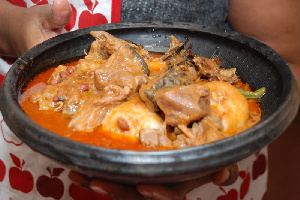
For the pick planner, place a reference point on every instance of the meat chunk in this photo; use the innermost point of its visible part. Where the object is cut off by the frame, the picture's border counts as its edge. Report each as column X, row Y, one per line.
column 88, row 64
column 172, row 78
column 106, row 44
column 106, row 76
column 154, row 138
column 73, row 97
column 183, row 104
column 206, row 130
column 88, row 116
column 124, row 59
column 175, row 47
column 211, row 69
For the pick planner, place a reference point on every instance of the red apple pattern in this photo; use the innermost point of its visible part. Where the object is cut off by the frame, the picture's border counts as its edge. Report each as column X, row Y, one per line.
column 230, row 195
column 245, row 175
column 2, row 170
column 72, row 21
column 21, row 3
column 51, row 186
column 40, row 2
column 5, row 135
column 19, row 179
column 259, row 165
column 89, row 17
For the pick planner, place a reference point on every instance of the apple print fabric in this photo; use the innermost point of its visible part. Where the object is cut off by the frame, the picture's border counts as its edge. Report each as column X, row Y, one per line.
column 250, row 185
column 27, row 175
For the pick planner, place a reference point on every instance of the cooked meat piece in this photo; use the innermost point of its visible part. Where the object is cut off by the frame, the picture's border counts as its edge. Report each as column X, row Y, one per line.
column 175, row 48
column 147, row 93
column 211, row 68
column 99, row 48
column 90, row 113
column 228, row 75
column 189, row 69
column 184, row 61
column 154, row 138
column 72, row 96
column 120, row 71
column 106, row 76
column 88, row 116
column 117, row 85
column 181, row 56
column 138, row 57
column 149, row 137
column 183, row 104
column 172, row 78
column 88, row 64
column 113, row 93
column 209, row 129
column 206, row 130
column 182, row 142
column 106, row 43
column 124, row 59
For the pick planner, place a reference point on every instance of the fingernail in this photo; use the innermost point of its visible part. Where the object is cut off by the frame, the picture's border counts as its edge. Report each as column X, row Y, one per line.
column 221, row 177
column 226, row 177
column 94, row 185
column 146, row 194
column 160, row 196
column 79, row 179
column 154, row 195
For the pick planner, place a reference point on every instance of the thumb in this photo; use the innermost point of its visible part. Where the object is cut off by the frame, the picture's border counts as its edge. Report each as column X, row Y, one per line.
column 60, row 15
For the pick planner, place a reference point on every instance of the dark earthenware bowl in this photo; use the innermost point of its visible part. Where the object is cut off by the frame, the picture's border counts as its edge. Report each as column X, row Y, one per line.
column 256, row 63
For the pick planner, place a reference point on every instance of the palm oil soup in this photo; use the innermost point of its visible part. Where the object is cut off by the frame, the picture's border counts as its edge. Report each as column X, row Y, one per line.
column 121, row 96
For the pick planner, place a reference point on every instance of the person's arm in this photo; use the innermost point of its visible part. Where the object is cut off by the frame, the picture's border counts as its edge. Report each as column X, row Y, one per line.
column 273, row 22
column 23, row 28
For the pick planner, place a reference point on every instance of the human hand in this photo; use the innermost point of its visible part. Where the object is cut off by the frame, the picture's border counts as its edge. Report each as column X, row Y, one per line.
column 177, row 191
column 28, row 27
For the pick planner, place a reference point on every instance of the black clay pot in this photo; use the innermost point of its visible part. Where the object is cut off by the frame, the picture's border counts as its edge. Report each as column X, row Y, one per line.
column 256, row 63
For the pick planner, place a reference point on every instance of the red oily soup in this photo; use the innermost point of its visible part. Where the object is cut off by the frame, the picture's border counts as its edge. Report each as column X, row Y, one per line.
column 121, row 96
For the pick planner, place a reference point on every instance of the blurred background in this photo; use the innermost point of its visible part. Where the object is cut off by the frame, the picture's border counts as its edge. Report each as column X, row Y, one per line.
column 284, row 164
